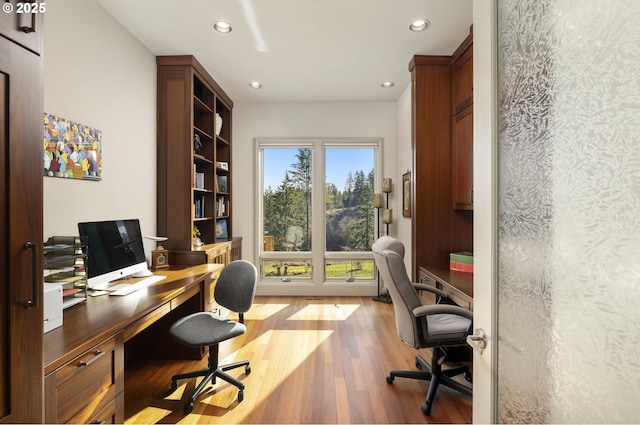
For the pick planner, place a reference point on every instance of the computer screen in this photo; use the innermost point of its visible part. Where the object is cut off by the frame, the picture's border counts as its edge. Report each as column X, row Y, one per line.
column 114, row 250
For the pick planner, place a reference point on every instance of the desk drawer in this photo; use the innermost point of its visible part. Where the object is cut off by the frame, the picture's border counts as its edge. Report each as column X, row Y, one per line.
column 84, row 386
column 105, row 416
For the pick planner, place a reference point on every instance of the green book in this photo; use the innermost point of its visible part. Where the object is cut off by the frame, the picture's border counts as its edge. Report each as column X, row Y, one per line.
column 465, row 257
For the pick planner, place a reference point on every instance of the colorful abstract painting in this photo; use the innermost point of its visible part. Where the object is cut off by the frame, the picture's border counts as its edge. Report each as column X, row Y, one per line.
column 71, row 150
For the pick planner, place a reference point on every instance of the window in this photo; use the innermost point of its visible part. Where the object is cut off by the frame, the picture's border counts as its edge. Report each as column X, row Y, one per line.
column 317, row 237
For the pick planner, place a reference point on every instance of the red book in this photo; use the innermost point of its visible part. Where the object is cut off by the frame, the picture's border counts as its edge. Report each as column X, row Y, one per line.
column 463, row 267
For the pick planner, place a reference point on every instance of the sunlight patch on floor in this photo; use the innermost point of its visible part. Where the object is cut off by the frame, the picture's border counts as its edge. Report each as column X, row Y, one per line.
column 152, row 415
column 219, row 402
column 300, row 345
column 325, row 312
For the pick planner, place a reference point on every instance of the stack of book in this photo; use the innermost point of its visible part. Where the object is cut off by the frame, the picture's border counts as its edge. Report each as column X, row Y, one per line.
column 461, row 261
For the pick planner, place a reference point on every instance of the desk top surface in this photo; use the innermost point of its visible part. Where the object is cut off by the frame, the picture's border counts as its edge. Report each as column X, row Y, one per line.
column 461, row 281
column 99, row 318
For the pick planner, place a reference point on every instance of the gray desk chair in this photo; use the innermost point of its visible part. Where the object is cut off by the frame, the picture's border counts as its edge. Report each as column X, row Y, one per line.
column 235, row 290
column 438, row 326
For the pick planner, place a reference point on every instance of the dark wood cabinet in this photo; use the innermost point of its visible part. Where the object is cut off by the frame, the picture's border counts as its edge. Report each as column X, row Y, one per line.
column 431, row 99
column 442, row 144
column 462, row 137
column 194, row 159
column 21, row 26
column 21, row 321
column 88, row 388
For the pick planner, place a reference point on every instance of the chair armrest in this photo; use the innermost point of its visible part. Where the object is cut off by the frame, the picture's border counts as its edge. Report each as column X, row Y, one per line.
column 429, row 288
column 426, row 310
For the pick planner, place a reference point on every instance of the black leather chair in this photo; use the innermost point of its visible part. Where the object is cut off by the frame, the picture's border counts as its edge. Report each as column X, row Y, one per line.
column 438, row 326
column 235, row 290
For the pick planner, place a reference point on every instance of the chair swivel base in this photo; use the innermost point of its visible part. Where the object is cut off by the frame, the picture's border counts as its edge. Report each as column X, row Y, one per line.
column 436, row 375
column 211, row 375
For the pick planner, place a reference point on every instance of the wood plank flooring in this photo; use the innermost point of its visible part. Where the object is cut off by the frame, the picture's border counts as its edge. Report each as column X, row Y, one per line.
column 313, row 360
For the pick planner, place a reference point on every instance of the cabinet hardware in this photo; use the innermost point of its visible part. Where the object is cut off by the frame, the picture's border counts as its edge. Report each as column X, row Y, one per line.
column 34, row 275
column 97, row 354
column 25, row 29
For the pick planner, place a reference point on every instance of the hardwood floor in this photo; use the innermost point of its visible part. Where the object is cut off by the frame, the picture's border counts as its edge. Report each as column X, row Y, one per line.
column 313, row 360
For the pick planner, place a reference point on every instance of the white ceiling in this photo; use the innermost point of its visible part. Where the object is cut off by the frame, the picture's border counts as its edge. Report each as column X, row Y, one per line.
column 300, row 50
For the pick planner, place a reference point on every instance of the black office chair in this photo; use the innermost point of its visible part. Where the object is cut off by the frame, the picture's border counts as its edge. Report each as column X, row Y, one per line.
column 439, row 326
column 235, row 290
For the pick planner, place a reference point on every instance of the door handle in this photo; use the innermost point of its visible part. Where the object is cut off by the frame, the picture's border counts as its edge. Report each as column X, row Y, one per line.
column 34, row 274
column 478, row 341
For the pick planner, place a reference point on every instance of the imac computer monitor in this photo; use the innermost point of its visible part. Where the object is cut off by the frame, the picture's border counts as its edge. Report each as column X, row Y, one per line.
column 114, row 250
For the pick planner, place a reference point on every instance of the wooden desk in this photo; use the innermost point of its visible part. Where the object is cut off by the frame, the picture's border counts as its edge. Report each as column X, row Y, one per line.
column 84, row 359
column 457, row 285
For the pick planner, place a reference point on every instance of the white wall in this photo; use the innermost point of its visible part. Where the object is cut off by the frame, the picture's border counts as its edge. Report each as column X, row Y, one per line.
column 96, row 73
column 404, row 163
column 254, row 120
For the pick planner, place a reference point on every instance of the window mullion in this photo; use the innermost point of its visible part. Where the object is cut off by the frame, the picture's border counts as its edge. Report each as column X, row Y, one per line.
column 318, row 242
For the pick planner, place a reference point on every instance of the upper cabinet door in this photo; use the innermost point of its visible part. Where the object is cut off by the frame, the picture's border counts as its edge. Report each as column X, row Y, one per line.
column 21, row 21
column 462, row 132
column 462, row 160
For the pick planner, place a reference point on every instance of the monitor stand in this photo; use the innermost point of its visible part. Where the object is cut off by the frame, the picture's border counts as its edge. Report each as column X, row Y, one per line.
column 143, row 273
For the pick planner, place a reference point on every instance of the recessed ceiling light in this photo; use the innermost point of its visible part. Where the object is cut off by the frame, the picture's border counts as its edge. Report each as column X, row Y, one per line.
column 222, row 26
column 419, row 25
column 255, row 85
column 388, row 84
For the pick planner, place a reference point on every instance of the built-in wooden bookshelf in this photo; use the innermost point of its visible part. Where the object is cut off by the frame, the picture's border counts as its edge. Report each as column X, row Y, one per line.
column 194, row 157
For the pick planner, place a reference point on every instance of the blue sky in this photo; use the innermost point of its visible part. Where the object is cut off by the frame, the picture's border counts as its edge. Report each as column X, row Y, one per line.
column 340, row 161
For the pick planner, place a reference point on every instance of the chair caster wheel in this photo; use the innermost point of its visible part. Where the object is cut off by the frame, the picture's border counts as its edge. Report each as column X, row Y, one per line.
column 389, row 379
column 467, row 375
column 247, row 370
column 418, row 365
column 240, row 396
column 188, row 408
column 426, row 409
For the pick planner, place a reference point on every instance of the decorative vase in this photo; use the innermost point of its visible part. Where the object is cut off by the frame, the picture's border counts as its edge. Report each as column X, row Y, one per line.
column 197, row 144
column 218, row 124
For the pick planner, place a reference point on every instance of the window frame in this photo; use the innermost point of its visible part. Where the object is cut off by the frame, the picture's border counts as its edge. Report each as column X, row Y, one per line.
column 318, row 253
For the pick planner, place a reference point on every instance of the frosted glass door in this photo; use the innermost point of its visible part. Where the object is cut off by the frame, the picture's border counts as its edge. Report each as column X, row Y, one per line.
column 568, row 211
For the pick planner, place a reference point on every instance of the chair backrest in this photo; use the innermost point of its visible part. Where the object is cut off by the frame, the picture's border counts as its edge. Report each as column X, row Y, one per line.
column 388, row 254
column 236, row 286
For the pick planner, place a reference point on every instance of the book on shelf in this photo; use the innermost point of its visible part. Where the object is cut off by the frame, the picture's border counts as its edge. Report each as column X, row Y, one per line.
column 198, row 207
column 222, row 184
column 199, row 179
column 222, row 206
column 221, row 229
column 223, row 165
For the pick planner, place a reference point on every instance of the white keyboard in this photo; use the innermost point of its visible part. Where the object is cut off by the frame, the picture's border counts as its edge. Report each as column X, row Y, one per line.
column 147, row 281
